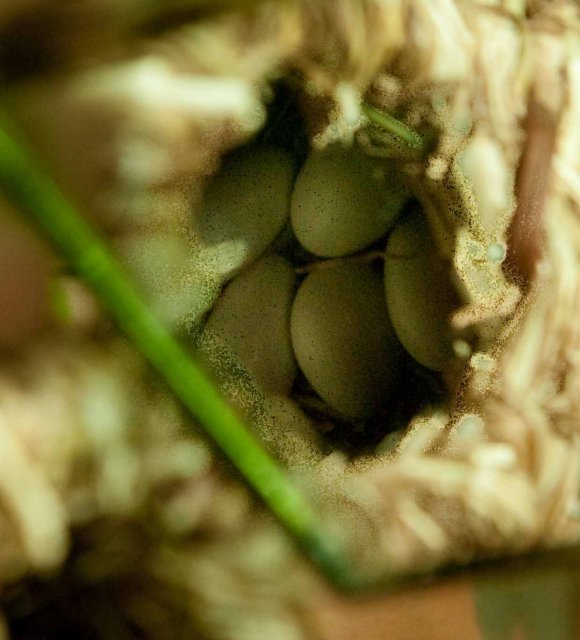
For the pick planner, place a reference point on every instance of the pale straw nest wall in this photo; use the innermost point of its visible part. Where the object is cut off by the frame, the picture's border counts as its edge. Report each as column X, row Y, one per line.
column 500, row 83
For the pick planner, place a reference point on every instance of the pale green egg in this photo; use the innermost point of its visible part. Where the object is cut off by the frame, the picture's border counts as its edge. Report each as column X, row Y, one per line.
column 419, row 293
column 252, row 319
column 244, row 207
column 342, row 202
column 343, row 340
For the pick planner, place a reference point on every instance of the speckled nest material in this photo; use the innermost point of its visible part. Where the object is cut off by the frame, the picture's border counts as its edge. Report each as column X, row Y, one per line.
column 139, row 517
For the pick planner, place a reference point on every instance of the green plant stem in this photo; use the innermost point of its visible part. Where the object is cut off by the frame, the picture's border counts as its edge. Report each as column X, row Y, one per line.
column 394, row 126
column 23, row 181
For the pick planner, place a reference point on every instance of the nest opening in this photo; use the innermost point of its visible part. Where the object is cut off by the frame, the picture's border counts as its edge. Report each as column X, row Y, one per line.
column 417, row 390
column 478, row 460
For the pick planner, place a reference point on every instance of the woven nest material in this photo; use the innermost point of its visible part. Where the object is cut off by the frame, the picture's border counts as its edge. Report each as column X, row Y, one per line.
column 139, row 517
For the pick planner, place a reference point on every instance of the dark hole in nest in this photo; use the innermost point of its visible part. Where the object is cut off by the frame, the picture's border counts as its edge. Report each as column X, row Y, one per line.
column 418, row 387
column 285, row 126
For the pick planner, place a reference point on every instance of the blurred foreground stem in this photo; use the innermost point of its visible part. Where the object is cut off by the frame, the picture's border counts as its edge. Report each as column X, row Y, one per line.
column 29, row 187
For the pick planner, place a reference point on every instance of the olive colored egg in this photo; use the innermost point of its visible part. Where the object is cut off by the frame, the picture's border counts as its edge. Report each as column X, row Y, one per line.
column 343, row 339
column 419, row 293
column 252, row 319
column 342, row 202
column 244, row 207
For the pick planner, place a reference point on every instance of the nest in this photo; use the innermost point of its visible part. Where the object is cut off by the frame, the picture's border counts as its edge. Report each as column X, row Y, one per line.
column 138, row 518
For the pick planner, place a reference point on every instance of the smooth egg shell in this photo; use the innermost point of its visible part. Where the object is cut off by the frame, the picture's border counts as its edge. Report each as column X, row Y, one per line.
column 419, row 293
column 252, row 319
column 343, row 339
column 340, row 204
column 244, row 207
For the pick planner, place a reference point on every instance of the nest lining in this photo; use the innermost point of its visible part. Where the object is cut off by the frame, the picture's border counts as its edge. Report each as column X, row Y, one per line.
column 499, row 472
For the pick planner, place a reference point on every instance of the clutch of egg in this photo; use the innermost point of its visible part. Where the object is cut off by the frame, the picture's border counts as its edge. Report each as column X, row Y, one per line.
column 336, row 314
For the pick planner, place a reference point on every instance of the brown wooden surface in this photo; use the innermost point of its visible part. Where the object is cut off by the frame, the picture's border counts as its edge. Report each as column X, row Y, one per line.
column 523, row 605
column 441, row 612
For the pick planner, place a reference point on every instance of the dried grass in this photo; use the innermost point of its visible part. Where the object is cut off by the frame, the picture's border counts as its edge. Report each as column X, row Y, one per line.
column 496, row 81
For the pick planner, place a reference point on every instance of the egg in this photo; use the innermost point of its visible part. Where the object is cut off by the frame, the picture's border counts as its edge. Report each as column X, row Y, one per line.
column 419, row 293
column 252, row 319
column 343, row 340
column 342, row 202
column 244, row 207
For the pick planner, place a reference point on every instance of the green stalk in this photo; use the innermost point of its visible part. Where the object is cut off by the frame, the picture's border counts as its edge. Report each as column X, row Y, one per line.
column 394, row 126
column 23, row 181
